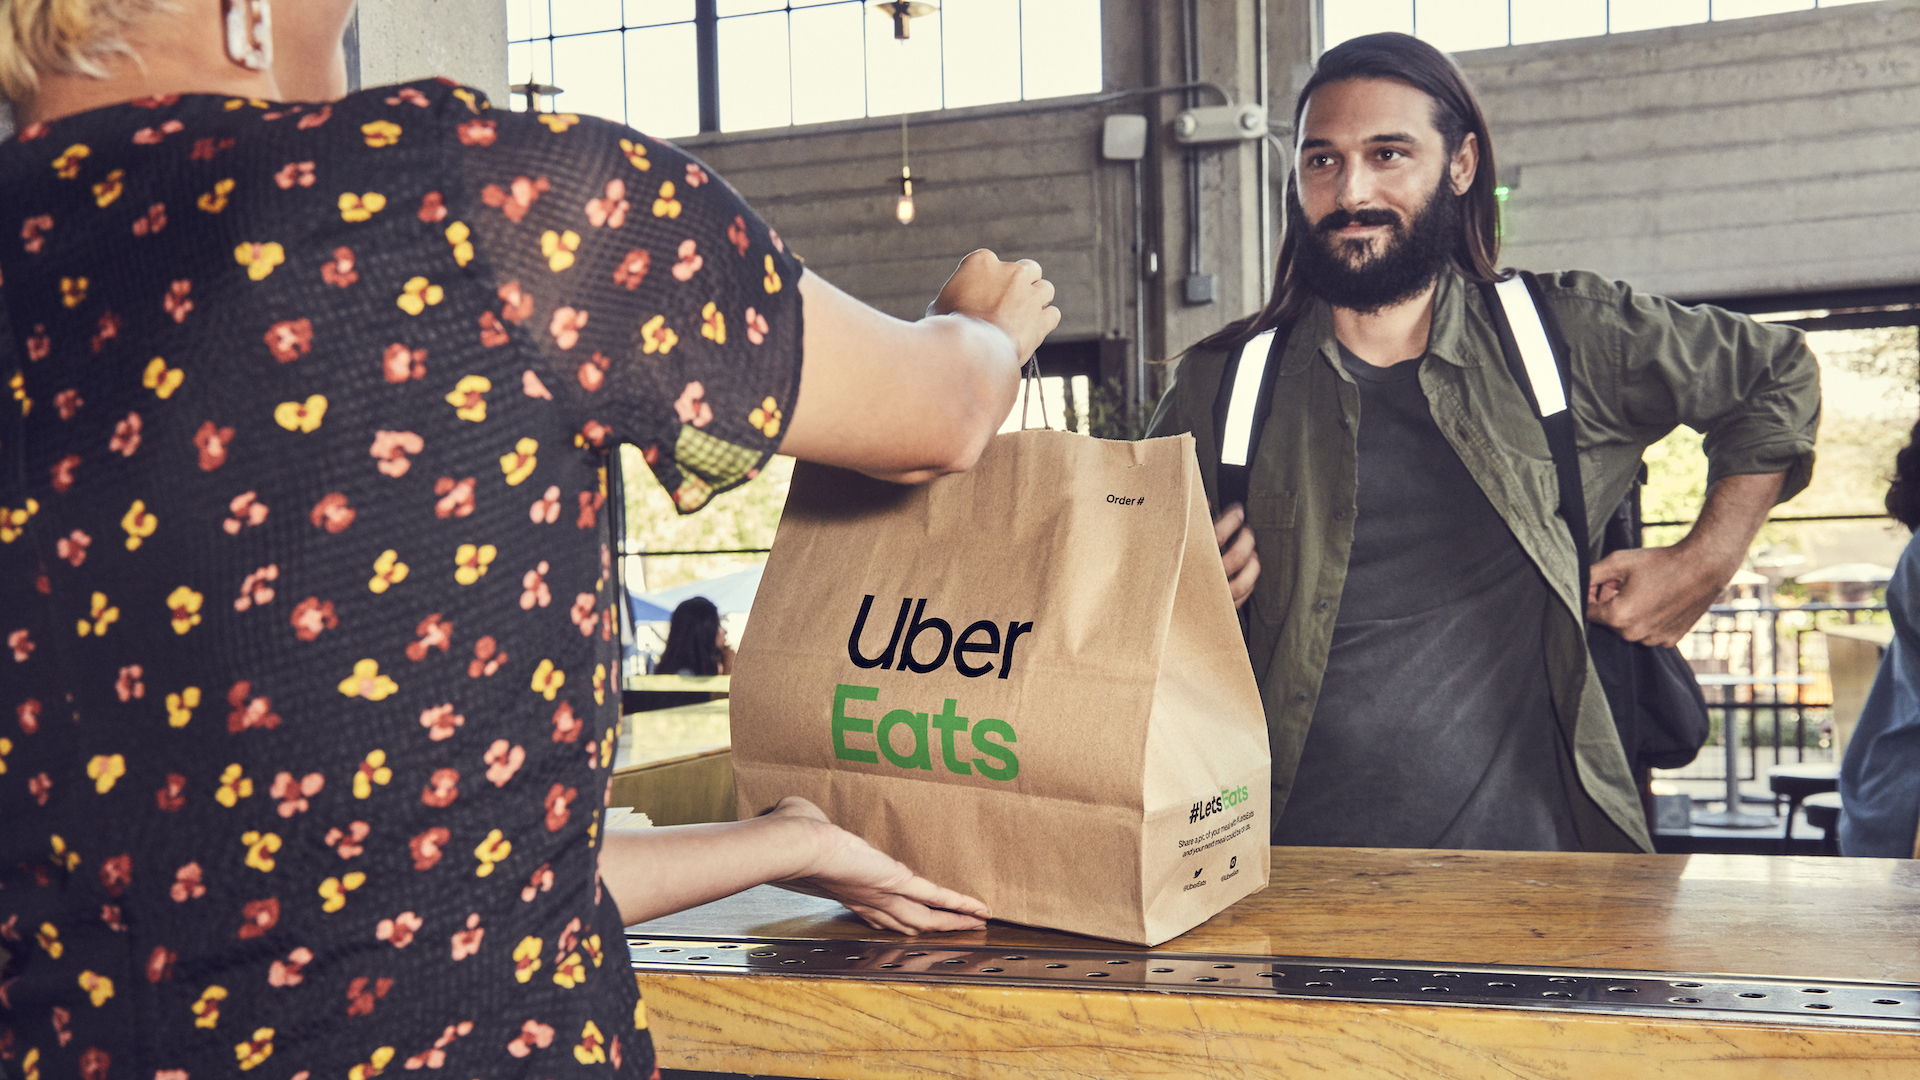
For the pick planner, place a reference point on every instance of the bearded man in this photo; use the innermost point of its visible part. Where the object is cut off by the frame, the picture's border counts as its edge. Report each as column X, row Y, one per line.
column 1409, row 594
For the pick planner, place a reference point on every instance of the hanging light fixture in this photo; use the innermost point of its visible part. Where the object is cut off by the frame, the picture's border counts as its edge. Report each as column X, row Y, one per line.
column 533, row 88
column 534, row 91
column 902, row 10
column 903, row 211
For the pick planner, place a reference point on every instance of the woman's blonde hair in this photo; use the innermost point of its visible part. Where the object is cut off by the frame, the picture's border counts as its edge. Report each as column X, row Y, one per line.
column 74, row 36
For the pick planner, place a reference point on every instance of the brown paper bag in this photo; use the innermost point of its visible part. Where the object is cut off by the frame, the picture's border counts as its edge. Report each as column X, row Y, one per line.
column 1025, row 681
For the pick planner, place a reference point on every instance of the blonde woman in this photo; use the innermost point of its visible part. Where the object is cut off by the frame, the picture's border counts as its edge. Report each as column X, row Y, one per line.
column 303, row 552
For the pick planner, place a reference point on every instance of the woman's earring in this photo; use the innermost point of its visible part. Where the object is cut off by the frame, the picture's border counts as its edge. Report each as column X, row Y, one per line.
column 249, row 33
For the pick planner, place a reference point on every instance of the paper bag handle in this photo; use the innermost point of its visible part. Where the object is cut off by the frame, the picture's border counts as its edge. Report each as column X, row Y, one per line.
column 1030, row 377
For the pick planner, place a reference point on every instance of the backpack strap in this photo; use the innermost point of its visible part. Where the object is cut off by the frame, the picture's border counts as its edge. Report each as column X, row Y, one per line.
column 1240, row 411
column 1536, row 354
column 1545, row 370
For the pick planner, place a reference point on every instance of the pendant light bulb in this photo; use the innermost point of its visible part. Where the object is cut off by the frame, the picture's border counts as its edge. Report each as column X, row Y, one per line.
column 904, row 210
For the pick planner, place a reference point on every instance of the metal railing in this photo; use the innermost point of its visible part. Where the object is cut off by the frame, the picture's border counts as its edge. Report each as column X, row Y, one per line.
column 1764, row 649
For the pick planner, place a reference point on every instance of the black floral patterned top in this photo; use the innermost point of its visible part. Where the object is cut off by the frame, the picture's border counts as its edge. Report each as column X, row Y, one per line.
column 308, row 699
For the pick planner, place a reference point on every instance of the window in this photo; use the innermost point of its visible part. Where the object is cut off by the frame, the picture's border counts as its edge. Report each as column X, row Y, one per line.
column 633, row 62
column 780, row 62
column 1459, row 25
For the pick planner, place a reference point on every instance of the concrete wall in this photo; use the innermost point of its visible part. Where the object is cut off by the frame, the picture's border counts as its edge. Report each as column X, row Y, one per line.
column 1027, row 180
column 1766, row 155
column 1027, row 183
column 403, row 40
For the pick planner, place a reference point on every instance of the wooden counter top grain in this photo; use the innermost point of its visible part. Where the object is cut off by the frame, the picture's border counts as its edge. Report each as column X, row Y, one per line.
column 1782, row 916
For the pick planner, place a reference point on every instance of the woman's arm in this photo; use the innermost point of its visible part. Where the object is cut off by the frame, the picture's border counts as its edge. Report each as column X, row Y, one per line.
column 909, row 401
column 658, row 871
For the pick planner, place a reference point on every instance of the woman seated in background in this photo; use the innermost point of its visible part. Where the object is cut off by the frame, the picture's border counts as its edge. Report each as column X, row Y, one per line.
column 303, row 570
column 696, row 644
column 1880, row 777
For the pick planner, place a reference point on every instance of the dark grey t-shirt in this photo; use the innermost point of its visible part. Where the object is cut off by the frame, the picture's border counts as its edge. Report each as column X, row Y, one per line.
column 1435, row 727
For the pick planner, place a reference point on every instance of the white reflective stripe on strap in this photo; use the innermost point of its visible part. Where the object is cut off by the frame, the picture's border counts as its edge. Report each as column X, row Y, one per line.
column 1236, row 442
column 1535, row 354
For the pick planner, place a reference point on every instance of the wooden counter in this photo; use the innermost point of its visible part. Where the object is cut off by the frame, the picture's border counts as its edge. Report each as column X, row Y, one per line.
column 1790, row 917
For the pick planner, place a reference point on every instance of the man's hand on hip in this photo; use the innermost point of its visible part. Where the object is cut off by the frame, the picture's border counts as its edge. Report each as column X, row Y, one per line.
column 1653, row 595
column 1237, row 556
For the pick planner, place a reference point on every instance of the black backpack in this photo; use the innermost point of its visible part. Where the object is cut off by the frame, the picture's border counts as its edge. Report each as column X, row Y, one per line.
column 1656, row 701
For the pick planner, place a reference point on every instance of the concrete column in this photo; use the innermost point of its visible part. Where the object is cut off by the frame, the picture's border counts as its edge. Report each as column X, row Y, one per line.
column 466, row 40
column 1230, row 196
column 1293, row 43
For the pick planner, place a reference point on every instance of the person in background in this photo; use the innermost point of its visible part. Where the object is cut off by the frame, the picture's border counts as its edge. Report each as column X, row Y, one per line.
column 696, row 643
column 1880, row 776
column 303, row 566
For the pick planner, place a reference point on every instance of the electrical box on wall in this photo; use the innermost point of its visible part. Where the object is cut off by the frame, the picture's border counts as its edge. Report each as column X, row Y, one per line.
column 1124, row 138
column 1200, row 289
column 1221, row 123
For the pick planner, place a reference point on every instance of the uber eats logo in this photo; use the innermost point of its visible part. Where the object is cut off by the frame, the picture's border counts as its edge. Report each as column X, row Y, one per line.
column 989, row 737
column 978, row 638
column 988, row 740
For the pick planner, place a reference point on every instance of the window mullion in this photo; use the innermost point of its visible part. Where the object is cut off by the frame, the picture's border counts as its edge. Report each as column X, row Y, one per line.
column 706, row 35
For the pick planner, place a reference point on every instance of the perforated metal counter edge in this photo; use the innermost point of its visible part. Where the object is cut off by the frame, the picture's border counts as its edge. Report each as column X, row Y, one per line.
column 1803, row 1002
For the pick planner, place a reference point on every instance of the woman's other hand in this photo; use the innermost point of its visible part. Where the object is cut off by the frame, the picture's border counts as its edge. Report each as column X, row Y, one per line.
column 654, row 872
column 873, row 884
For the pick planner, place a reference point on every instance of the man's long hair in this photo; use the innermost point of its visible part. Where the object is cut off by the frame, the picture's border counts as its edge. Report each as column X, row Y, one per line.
column 1456, row 113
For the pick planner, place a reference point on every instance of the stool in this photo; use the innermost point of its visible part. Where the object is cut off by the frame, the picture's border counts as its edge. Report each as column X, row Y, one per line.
column 1823, row 812
column 1795, row 783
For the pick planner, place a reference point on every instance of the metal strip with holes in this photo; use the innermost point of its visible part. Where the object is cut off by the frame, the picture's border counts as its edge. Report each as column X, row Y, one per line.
column 1890, row 1006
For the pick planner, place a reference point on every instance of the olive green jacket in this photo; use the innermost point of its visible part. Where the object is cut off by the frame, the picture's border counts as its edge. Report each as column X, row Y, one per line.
column 1641, row 365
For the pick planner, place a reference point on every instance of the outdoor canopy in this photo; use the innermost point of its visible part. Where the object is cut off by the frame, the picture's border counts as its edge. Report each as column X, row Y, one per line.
column 729, row 592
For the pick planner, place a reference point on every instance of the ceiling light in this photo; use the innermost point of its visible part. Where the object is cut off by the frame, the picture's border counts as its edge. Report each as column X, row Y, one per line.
column 902, row 10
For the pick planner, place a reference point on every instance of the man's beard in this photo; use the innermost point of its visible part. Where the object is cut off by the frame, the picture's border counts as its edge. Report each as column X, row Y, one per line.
column 1413, row 256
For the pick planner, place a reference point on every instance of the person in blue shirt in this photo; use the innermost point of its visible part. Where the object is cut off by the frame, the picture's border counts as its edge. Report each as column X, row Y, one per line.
column 1880, row 777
